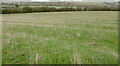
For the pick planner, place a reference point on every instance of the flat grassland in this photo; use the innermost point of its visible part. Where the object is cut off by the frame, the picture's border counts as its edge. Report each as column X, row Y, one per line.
column 84, row 37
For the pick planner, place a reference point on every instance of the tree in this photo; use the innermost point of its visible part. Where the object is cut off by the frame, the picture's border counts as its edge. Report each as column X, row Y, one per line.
column 16, row 5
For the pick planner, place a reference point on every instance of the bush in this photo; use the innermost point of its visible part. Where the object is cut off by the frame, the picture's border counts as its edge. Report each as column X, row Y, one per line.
column 45, row 9
column 16, row 5
column 79, row 9
column 12, row 10
column 36, row 9
column 53, row 9
column 85, row 9
column 42, row 9
column 99, row 9
column 67, row 9
column 115, row 9
column 27, row 10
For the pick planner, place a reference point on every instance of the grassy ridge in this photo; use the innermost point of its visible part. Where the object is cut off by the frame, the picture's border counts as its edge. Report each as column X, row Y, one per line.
column 60, row 38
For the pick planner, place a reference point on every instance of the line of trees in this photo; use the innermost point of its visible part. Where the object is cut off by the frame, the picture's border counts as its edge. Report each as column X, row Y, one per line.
column 27, row 9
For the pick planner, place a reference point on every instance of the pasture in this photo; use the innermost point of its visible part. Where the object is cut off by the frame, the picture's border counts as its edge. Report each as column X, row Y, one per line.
column 85, row 37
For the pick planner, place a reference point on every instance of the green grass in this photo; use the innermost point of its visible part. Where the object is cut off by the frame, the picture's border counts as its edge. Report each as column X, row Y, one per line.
column 60, row 38
column 0, row 40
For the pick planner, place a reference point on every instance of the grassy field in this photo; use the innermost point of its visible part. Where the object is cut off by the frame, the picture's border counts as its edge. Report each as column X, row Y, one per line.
column 84, row 37
column 0, row 39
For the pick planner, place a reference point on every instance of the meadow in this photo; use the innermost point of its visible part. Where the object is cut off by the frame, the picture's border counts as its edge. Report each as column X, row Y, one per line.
column 0, row 51
column 85, row 37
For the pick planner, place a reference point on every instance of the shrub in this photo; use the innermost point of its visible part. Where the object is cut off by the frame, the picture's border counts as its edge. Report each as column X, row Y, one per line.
column 27, row 9
column 115, row 9
column 53, row 9
column 79, row 9
column 36, row 9
column 67, row 9
column 85, row 9
column 12, row 10
column 16, row 5
column 105, row 9
column 101, row 9
column 44, row 9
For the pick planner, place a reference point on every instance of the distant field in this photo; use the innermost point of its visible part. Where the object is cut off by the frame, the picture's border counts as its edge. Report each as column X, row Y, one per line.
column 60, row 38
